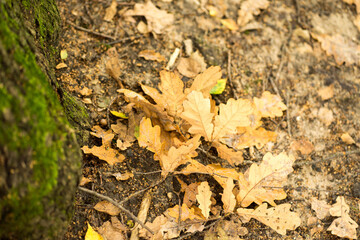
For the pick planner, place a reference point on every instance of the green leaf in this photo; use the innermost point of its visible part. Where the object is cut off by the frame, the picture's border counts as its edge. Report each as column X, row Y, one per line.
column 219, row 87
column 119, row 114
column 137, row 132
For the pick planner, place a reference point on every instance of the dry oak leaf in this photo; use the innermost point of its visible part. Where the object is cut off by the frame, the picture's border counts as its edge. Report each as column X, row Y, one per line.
column 302, row 145
column 177, row 156
column 219, row 173
column 250, row 8
column 188, row 67
column 157, row 19
column 149, row 137
column 269, row 105
column 186, row 213
column 163, row 227
column 190, row 190
column 228, row 198
column 113, row 66
column 326, row 92
column 247, row 137
column 346, row 138
column 110, row 11
column 197, row 113
column 107, row 207
column 205, row 81
column 106, row 136
column 263, row 183
column 203, row 197
column 321, row 208
column 152, row 55
column 109, row 155
column 343, row 226
column 110, row 232
column 343, row 50
column 231, row 156
column 233, row 114
column 279, row 218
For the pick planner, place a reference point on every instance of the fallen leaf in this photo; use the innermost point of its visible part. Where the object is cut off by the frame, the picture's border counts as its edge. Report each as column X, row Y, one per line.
column 269, row 105
column 325, row 115
column 84, row 181
column 233, row 157
column 346, row 138
column 157, row 19
column 327, row 92
column 119, row 114
column 107, row 207
column 203, row 197
column 86, row 91
column 91, row 234
column 343, row 226
column 197, row 113
column 344, row 50
column 63, row 54
column 123, row 176
column 109, row 155
column 233, row 114
column 113, row 66
column 302, row 145
column 149, row 137
column 279, row 218
column 106, row 136
column 188, row 67
column 163, row 227
column 152, row 55
column 110, row 232
column 229, row 24
column 263, row 183
column 110, row 11
column 228, row 198
column 186, row 213
column 205, row 81
column 219, row 87
column 321, row 208
column 248, row 9
column 61, row 65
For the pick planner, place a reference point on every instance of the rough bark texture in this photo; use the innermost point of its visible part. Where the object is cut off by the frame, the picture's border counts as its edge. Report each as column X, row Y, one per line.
column 39, row 155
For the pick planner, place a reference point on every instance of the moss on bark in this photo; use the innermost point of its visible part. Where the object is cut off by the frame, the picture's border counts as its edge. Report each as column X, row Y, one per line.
column 39, row 155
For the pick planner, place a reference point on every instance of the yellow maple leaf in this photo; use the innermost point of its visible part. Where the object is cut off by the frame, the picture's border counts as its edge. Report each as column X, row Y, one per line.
column 279, row 218
column 233, row 114
column 149, row 137
column 197, row 113
column 263, row 183
column 111, row 156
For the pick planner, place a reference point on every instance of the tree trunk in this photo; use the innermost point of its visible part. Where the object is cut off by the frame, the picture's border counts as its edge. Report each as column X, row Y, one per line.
column 40, row 158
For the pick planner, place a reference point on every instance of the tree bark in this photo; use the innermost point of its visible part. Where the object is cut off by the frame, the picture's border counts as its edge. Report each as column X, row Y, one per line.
column 40, row 158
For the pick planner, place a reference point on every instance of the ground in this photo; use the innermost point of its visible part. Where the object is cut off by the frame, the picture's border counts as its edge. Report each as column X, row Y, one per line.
column 281, row 50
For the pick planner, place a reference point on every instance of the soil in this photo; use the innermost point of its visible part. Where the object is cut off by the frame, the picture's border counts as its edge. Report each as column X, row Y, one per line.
column 278, row 55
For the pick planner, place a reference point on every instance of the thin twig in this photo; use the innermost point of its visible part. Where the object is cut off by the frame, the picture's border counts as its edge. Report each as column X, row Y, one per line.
column 123, row 40
column 90, row 31
column 132, row 216
column 230, row 76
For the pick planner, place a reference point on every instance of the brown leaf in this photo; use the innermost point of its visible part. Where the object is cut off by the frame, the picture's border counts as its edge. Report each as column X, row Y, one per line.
column 109, row 232
column 269, row 105
column 106, row 136
column 344, row 50
column 186, row 213
column 123, row 176
column 205, row 81
column 228, row 198
column 248, row 9
column 113, row 67
column 149, row 137
column 190, row 190
column 346, row 138
column 152, row 55
column 325, row 115
column 163, row 227
column 188, row 67
column 203, row 197
column 85, row 180
column 233, row 157
column 110, row 11
column 326, row 92
column 111, row 156
column 321, row 208
column 233, row 114
column 107, row 207
column 157, row 19
column 197, row 113
column 356, row 2
column 279, row 218
column 302, row 145
column 263, row 183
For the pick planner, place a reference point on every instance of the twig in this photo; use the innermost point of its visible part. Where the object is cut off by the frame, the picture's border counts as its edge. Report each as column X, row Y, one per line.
column 122, row 40
column 230, row 77
column 132, row 216
column 90, row 31
column 335, row 155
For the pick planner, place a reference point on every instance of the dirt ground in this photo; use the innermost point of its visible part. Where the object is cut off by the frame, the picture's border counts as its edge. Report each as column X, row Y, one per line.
column 279, row 51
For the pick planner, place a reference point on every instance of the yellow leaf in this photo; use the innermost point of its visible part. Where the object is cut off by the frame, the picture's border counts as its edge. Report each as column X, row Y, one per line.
column 111, row 156
column 63, row 54
column 228, row 198
column 152, row 55
column 107, row 207
column 279, row 218
column 119, row 114
column 263, row 183
column 219, row 87
column 149, row 137
column 203, row 197
column 269, row 105
column 110, row 11
column 91, row 234
column 197, row 113
column 186, row 213
column 61, row 65
column 233, row 114
column 106, row 136
column 230, row 24
column 205, row 81
column 234, row 158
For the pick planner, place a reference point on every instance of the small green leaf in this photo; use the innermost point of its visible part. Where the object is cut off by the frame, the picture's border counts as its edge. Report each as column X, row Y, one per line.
column 63, row 54
column 219, row 87
column 119, row 114
column 137, row 132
